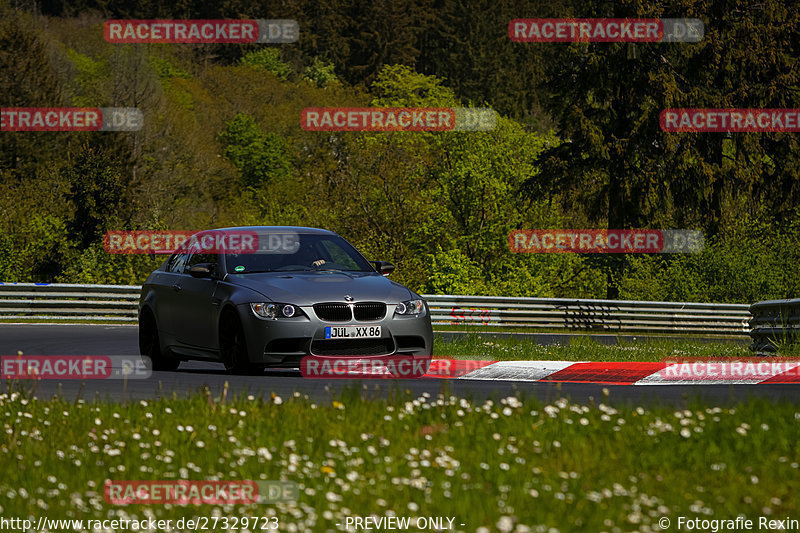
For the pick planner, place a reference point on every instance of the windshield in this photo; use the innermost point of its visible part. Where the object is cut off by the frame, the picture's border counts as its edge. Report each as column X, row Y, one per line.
column 288, row 252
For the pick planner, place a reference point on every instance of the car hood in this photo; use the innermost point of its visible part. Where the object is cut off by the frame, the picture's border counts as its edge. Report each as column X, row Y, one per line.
column 308, row 288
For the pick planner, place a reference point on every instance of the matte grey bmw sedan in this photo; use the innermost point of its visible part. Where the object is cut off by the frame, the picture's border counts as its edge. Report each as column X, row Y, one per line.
column 289, row 292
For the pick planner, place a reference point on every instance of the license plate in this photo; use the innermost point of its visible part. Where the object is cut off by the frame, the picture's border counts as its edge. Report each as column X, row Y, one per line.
column 352, row 332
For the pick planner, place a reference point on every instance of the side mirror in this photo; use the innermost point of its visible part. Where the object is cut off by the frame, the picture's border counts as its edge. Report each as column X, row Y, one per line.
column 202, row 270
column 384, row 267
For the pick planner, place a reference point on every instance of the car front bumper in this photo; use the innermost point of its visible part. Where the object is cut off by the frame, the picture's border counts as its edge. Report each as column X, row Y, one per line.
column 285, row 341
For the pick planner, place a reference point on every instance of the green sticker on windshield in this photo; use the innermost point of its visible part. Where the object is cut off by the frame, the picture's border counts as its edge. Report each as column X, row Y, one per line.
column 240, row 268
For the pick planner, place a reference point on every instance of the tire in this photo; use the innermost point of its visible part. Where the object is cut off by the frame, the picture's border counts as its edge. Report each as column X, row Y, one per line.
column 150, row 344
column 233, row 347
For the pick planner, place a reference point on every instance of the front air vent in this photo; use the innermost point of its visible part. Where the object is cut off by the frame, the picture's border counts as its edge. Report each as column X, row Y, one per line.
column 352, row 347
column 369, row 311
column 333, row 312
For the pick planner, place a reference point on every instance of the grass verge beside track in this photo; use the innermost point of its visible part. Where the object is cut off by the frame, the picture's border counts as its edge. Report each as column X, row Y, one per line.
column 511, row 465
column 476, row 346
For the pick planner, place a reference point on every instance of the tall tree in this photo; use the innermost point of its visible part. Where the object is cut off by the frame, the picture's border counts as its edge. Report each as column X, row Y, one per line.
column 26, row 80
column 606, row 97
column 97, row 189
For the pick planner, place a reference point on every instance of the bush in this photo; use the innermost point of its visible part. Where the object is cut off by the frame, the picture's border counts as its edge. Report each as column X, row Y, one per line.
column 258, row 155
column 751, row 259
column 268, row 59
column 321, row 74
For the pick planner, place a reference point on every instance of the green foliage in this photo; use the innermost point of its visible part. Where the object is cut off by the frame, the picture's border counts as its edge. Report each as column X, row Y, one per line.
column 321, row 74
column 621, row 170
column 166, row 70
column 7, row 259
column 88, row 68
column 38, row 249
column 399, row 85
column 168, row 73
column 95, row 265
column 27, row 78
column 89, row 80
column 753, row 258
column 97, row 187
column 477, row 202
column 258, row 155
column 268, row 59
column 452, row 272
column 417, row 199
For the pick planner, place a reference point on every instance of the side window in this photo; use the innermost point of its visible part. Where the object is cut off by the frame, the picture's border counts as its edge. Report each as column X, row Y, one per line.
column 198, row 258
column 176, row 263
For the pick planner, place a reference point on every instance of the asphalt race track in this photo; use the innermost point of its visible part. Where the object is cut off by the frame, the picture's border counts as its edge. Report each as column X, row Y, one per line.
column 34, row 339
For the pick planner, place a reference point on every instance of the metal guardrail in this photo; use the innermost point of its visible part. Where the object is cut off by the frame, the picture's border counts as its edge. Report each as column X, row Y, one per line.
column 61, row 302
column 774, row 322
column 606, row 316
column 118, row 303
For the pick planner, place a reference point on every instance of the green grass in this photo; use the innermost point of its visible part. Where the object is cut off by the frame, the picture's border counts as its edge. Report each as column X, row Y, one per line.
column 476, row 346
column 510, row 465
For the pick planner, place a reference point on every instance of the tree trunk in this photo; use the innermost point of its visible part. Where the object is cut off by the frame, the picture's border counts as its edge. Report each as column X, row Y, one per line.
column 616, row 220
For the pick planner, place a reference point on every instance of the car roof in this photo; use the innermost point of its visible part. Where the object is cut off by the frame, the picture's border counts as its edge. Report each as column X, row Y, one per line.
column 279, row 229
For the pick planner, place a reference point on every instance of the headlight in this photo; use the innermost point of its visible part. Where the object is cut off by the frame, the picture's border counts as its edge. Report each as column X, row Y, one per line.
column 411, row 308
column 274, row 310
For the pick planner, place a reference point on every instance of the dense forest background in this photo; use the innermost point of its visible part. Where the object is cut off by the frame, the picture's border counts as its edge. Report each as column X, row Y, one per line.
column 578, row 144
